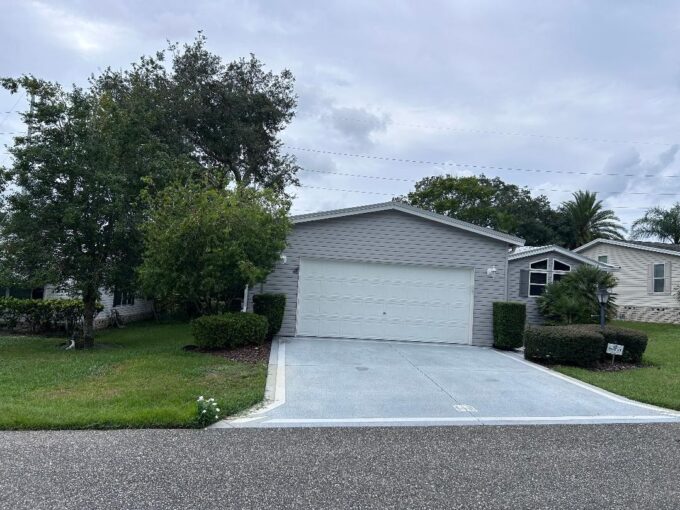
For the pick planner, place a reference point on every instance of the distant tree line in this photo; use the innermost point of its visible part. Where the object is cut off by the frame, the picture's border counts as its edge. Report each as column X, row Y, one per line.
column 491, row 202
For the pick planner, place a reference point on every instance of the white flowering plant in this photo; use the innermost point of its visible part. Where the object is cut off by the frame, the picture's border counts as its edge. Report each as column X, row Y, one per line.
column 207, row 411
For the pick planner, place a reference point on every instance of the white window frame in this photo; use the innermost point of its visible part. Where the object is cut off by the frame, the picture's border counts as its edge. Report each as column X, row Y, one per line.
column 662, row 277
column 605, row 257
column 559, row 271
column 539, row 271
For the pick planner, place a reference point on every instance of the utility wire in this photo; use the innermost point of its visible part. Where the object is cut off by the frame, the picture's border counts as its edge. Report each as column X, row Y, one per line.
column 399, row 179
column 477, row 166
column 14, row 107
column 393, row 194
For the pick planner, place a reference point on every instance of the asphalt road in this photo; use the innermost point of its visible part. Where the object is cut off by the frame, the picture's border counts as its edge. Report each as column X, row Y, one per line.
column 553, row 466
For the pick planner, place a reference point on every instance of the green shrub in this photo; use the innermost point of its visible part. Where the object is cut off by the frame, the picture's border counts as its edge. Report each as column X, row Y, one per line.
column 634, row 342
column 573, row 299
column 566, row 345
column 42, row 314
column 272, row 307
column 229, row 330
column 509, row 320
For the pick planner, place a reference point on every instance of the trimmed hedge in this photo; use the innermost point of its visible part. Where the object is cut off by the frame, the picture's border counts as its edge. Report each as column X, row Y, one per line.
column 634, row 342
column 509, row 320
column 566, row 345
column 272, row 307
column 229, row 330
column 41, row 314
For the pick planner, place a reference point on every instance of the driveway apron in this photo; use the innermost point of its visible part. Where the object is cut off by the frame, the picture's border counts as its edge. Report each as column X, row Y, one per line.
column 337, row 382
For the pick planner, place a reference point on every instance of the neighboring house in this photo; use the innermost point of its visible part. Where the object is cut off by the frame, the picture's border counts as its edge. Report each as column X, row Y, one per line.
column 646, row 290
column 128, row 306
column 391, row 271
column 531, row 268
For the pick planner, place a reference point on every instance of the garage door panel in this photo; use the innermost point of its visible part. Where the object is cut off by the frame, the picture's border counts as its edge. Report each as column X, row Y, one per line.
column 399, row 302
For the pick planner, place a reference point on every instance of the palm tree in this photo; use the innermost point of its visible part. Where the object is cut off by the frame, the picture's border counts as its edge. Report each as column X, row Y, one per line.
column 658, row 222
column 588, row 219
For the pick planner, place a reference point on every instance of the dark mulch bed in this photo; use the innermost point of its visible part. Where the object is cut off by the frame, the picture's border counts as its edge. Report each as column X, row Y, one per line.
column 248, row 354
column 618, row 366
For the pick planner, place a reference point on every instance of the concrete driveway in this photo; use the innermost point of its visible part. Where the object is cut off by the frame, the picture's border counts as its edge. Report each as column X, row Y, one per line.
column 333, row 382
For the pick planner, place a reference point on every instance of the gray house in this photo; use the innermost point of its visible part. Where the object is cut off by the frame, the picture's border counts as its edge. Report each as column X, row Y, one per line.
column 531, row 268
column 391, row 271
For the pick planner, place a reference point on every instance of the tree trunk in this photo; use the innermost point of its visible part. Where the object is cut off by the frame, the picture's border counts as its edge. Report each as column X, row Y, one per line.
column 89, row 311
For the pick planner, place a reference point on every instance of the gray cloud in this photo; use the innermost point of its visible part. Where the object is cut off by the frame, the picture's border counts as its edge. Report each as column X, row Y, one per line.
column 367, row 73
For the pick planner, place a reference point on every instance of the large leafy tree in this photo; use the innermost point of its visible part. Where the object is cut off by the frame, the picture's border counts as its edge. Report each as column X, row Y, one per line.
column 489, row 202
column 660, row 223
column 72, row 216
column 231, row 115
column 204, row 245
column 587, row 219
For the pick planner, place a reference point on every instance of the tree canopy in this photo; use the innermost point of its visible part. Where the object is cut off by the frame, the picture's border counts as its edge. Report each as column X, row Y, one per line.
column 489, row 202
column 203, row 245
column 80, row 185
column 660, row 223
column 587, row 219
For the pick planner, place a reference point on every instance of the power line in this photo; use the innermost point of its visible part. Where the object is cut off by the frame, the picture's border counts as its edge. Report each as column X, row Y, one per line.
column 476, row 166
column 514, row 133
column 399, row 179
column 393, row 194
column 14, row 107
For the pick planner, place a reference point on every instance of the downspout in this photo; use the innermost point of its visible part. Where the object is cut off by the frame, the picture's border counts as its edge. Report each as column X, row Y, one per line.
column 506, row 275
column 244, row 308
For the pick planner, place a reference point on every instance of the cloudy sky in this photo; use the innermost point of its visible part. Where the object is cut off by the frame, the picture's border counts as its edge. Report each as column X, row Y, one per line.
column 557, row 96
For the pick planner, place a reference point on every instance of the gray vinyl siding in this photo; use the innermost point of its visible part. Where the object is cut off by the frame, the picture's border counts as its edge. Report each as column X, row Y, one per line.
column 514, row 267
column 632, row 287
column 400, row 238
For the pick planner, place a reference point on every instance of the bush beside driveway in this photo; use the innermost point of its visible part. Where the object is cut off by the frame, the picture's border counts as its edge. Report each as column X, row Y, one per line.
column 657, row 382
column 135, row 377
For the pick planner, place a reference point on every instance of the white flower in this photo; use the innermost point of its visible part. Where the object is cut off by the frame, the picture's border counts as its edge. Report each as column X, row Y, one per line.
column 214, row 403
column 211, row 399
column 200, row 398
column 203, row 412
column 218, row 409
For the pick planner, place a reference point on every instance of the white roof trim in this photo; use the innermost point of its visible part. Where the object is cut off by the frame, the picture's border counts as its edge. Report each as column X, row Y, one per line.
column 415, row 211
column 562, row 251
column 624, row 244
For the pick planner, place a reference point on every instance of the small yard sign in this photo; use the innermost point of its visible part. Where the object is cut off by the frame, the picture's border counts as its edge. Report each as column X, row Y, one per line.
column 615, row 349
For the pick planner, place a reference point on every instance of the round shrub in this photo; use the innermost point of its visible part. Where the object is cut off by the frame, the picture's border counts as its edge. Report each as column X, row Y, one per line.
column 509, row 320
column 634, row 342
column 229, row 330
column 565, row 345
column 272, row 307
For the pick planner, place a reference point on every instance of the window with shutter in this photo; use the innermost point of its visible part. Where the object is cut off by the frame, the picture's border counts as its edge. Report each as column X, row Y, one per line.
column 524, row 283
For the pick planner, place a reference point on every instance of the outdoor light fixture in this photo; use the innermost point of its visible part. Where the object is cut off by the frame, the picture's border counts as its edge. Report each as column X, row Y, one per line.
column 284, row 259
column 602, row 295
column 491, row 271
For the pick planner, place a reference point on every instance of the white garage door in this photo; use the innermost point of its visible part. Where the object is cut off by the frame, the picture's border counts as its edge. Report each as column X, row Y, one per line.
column 384, row 301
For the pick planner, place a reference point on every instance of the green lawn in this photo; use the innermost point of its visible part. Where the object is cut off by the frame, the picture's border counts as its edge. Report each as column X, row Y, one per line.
column 138, row 376
column 658, row 382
